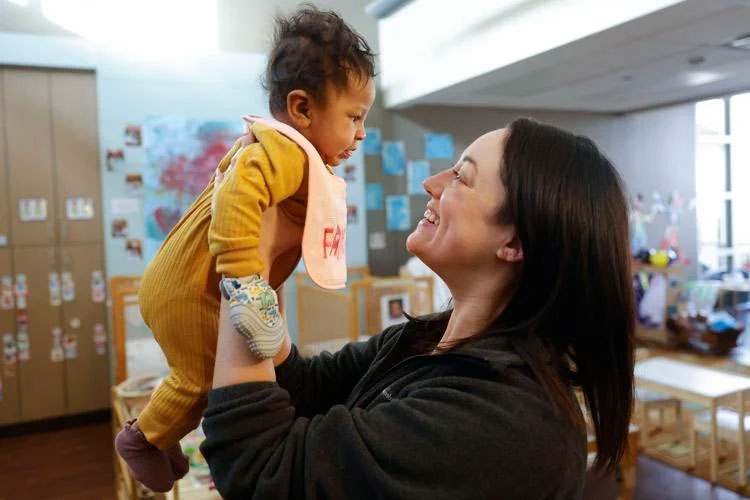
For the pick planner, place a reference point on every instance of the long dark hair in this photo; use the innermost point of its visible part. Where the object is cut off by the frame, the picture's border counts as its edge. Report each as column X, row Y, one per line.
column 572, row 314
column 575, row 294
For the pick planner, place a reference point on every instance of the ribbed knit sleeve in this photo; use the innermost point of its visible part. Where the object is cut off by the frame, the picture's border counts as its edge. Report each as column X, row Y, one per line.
column 265, row 173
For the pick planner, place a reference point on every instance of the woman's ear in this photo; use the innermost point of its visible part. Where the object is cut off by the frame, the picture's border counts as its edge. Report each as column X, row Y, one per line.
column 299, row 107
column 511, row 251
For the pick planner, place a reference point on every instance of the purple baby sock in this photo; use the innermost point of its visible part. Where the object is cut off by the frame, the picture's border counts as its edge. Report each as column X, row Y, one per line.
column 154, row 468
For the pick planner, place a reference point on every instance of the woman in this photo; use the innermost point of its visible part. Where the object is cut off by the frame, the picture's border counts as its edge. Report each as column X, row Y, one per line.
column 530, row 232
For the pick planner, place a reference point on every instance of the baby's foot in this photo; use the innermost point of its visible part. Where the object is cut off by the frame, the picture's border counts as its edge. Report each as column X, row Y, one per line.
column 154, row 468
column 254, row 310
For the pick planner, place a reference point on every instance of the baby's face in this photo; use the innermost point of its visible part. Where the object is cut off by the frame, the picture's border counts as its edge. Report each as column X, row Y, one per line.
column 338, row 126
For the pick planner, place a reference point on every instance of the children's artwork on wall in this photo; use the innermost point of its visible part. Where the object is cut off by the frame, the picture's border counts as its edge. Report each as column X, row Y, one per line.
column 397, row 213
column 134, row 249
column 392, row 308
column 119, row 228
column 394, row 158
column 639, row 217
column 438, row 146
column 374, row 193
column 377, row 240
column 134, row 182
column 115, row 159
column 416, row 172
column 351, row 214
column 350, row 173
column 132, row 135
column 673, row 210
column 372, row 143
column 180, row 157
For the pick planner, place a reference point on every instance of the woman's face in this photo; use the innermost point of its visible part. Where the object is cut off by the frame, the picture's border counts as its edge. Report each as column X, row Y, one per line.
column 460, row 234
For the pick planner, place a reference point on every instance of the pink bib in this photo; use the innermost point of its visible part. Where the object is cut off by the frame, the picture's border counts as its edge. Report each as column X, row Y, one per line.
column 324, row 236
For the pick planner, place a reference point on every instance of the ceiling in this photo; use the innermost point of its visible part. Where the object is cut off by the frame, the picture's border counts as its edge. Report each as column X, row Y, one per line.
column 637, row 65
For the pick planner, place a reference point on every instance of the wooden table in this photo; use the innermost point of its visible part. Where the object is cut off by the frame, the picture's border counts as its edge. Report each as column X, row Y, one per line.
column 700, row 385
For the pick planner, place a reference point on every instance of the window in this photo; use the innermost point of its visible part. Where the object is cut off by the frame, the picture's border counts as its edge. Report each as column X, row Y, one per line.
column 722, row 174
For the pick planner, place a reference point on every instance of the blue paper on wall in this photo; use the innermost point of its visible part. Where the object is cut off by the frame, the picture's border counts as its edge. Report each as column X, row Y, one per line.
column 394, row 158
column 438, row 146
column 374, row 196
column 372, row 142
column 397, row 213
column 416, row 172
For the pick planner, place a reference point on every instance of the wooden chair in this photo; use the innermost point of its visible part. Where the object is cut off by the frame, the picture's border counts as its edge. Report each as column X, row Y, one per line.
column 124, row 290
column 329, row 319
column 728, row 428
column 650, row 400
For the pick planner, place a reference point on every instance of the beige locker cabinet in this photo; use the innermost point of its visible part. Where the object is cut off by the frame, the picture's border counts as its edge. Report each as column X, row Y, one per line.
column 42, row 380
column 28, row 130
column 87, row 373
column 10, row 407
column 76, row 155
column 4, row 201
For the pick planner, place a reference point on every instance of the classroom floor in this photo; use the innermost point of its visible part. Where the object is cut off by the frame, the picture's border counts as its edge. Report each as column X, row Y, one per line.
column 76, row 464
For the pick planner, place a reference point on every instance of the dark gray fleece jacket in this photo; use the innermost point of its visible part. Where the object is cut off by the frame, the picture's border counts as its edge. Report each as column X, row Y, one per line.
column 378, row 420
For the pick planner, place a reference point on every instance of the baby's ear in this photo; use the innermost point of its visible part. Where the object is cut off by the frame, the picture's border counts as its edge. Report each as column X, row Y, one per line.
column 299, row 107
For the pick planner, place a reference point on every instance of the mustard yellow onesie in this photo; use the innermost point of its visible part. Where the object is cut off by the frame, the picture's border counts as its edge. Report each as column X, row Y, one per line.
column 179, row 292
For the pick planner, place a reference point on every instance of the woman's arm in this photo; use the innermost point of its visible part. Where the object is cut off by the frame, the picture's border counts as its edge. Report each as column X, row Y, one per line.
column 234, row 362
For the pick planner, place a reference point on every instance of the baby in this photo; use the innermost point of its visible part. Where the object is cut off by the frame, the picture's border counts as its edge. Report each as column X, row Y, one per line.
column 273, row 199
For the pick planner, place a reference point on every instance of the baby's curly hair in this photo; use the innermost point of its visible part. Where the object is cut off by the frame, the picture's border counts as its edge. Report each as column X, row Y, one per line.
column 312, row 48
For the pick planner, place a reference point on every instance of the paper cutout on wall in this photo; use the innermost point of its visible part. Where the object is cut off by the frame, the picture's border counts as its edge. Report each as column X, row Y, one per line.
column 377, row 240
column 351, row 214
column 180, row 157
column 97, row 287
column 350, row 173
column 23, row 344
column 125, row 206
column 79, row 208
column 100, row 339
column 132, row 135
column 70, row 346
column 56, row 354
column 372, row 143
column 75, row 323
column 55, row 292
column 397, row 213
column 438, row 146
column 22, row 290
column 134, row 249
column 7, row 293
column 10, row 353
column 3, row 240
column 394, row 158
column 32, row 209
column 119, row 228
column 417, row 171
column 115, row 159
column 374, row 193
column 134, row 182
column 68, row 287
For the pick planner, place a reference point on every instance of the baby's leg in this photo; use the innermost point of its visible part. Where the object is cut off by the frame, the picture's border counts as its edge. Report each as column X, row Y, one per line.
column 150, row 446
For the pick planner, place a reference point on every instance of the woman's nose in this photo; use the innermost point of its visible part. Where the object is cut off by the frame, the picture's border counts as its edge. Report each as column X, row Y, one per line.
column 434, row 184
